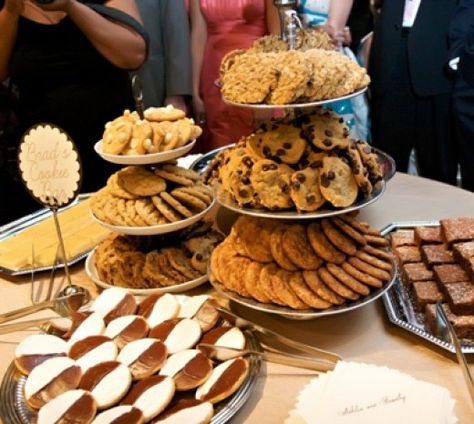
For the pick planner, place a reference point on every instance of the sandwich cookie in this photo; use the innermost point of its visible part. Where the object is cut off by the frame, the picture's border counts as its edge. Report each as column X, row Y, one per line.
column 202, row 309
column 93, row 325
column 189, row 369
column 93, row 350
column 122, row 414
column 225, row 336
column 158, row 308
column 224, row 380
column 151, row 396
column 108, row 382
column 72, row 407
column 36, row 349
column 113, row 303
column 50, row 379
column 187, row 411
column 143, row 357
column 127, row 329
column 177, row 334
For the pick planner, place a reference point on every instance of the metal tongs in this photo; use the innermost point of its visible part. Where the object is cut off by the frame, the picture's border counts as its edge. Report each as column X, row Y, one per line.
column 446, row 332
column 308, row 356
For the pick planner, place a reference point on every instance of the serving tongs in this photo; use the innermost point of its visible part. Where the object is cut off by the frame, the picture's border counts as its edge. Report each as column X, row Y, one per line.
column 321, row 360
column 446, row 332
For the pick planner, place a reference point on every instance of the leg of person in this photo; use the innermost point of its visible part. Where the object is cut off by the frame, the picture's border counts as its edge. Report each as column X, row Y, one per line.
column 435, row 143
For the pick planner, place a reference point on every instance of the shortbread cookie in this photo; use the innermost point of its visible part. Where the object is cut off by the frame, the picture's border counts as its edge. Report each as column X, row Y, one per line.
column 322, row 246
column 338, row 185
column 305, row 190
column 297, row 246
column 167, row 113
column 271, row 183
column 140, row 182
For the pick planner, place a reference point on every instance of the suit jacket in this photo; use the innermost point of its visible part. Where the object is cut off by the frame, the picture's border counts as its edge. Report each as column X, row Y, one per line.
column 427, row 46
column 167, row 71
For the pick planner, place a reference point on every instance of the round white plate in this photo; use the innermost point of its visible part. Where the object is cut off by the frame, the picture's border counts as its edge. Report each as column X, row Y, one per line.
column 91, row 271
column 296, row 105
column 155, row 229
column 305, row 314
column 147, row 159
column 224, row 200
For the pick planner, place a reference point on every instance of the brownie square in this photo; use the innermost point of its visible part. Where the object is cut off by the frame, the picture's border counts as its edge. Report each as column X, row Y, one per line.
column 408, row 254
column 425, row 292
column 463, row 252
column 463, row 324
column 460, row 297
column 434, row 254
column 417, row 272
column 449, row 273
column 454, row 230
column 428, row 235
column 402, row 238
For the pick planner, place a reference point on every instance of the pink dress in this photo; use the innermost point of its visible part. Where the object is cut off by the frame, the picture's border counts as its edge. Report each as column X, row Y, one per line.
column 230, row 25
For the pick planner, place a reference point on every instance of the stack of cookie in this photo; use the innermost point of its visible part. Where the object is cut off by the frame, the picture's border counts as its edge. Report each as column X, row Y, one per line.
column 141, row 196
column 151, row 262
column 138, row 364
column 253, row 77
column 297, row 164
column 163, row 129
column 319, row 265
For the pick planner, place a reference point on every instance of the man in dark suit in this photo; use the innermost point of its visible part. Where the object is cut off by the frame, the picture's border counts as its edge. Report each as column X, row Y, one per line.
column 166, row 75
column 461, row 37
column 411, row 106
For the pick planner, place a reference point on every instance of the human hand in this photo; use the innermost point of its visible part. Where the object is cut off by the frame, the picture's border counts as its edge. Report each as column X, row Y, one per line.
column 199, row 112
column 177, row 101
column 337, row 36
column 14, row 7
column 56, row 5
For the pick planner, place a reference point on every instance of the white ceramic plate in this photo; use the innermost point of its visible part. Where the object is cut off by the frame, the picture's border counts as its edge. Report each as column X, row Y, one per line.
column 91, row 271
column 146, row 159
column 155, row 229
column 296, row 105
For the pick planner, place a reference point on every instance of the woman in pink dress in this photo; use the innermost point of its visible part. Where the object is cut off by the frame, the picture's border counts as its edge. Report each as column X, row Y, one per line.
column 218, row 27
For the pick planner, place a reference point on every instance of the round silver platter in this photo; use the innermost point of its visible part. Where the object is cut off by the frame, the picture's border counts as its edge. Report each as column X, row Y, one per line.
column 296, row 105
column 304, row 314
column 13, row 409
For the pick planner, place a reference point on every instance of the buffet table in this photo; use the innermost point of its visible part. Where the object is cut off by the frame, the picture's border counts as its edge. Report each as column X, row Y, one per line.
column 363, row 335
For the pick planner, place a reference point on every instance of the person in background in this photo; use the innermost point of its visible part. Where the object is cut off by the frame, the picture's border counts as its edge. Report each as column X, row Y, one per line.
column 70, row 63
column 410, row 92
column 167, row 73
column 360, row 22
column 217, row 27
column 461, row 37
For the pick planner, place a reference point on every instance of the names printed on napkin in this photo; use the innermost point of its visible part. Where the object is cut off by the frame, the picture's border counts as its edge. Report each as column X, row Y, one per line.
column 384, row 401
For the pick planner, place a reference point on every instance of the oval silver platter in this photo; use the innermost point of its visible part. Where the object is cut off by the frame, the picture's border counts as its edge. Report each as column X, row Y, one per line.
column 13, row 409
column 398, row 301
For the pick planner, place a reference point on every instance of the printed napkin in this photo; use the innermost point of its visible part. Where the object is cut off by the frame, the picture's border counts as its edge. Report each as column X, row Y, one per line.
column 361, row 393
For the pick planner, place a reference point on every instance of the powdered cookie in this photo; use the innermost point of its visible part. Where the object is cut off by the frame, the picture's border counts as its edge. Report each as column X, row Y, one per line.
column 338, row 185
column 322, row 246
column 297, row 246
column 299, row 287
column 315, row 283
column 338, row 239
column 362, row 276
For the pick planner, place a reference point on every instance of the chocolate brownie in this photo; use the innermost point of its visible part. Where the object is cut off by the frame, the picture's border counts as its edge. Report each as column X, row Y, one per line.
column 434, row 254
column 408, row 254
column 454, row 230
column 402, row 238
column 425, row 292
column 460, row 297
column 463, row 324
column 428, row 235
column 463, row 253
column 449, row 273
column 417, row 272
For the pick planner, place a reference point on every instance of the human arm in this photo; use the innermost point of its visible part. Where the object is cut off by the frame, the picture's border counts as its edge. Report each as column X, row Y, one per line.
column 272, row 18
column 198, row 42
column 117, row 42
column 9, row 16
column 339, row 11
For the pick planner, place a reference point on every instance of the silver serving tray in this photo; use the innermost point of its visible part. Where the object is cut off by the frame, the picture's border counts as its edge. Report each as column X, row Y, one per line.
column 305, row 314
column 13, row 409
column 398, row 301
column 15, row 227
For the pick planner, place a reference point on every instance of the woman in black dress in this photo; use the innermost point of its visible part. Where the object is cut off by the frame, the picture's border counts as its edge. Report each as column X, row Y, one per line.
column 70, row 62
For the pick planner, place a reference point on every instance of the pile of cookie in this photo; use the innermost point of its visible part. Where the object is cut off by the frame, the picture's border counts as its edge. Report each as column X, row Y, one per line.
column 318, row 265
column 142, row 196
column 161, row 130
column 437, row 265
column 288, row 77
column 158, row 261
column 301, row 163
column 130, row 362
